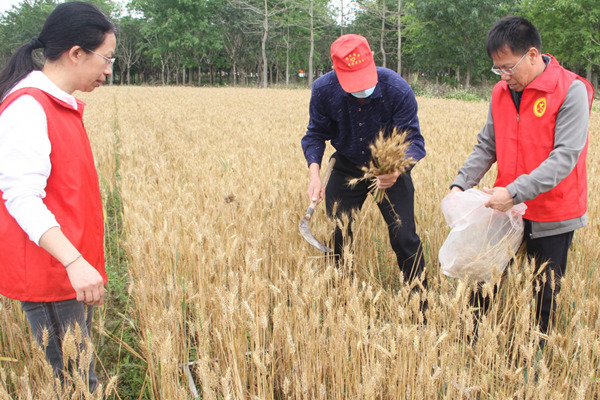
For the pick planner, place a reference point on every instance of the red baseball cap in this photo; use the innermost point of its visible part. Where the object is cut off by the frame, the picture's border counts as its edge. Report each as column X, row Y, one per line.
column 353, row 63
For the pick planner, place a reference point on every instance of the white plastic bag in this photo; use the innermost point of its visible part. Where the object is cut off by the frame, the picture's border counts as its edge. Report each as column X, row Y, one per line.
column 482, row 240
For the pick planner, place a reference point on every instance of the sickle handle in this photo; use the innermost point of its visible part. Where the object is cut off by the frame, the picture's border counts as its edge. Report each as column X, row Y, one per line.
column 310, row 210
column 327, row 173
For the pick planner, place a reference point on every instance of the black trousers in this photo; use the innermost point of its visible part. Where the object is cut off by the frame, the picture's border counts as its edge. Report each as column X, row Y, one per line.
column 398, row 213
column 552, row 250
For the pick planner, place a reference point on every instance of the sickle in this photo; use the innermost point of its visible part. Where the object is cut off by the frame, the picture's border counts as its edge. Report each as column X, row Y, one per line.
column 303, row 226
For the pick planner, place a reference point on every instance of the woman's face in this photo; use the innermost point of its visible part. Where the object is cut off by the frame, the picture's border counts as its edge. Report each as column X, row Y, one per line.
column 94, row 67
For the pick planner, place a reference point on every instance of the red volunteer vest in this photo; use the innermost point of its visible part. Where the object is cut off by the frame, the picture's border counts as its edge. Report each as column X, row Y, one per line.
column 525, row 138
column 27, row 271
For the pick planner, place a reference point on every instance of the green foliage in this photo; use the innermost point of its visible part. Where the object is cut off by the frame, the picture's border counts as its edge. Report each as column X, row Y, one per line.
column 19, row 24
column 377, row 21
column 570, row 30
column 447, row 91
column 451, row 35
column 228, row 41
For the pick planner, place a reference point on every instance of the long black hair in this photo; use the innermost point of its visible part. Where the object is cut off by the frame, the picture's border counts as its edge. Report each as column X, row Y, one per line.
column 71, row 24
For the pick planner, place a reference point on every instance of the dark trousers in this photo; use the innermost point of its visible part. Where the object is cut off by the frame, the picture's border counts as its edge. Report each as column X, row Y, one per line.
column 57, row 317
column 398, row 213
column 553, row 250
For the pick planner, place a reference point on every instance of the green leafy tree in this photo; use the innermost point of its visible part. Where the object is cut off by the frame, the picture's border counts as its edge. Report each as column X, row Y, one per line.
column 449, row 35
column 179, row 34
column 376, row 20
column 237, row 36
column 264, row 17
column 570, row 30
column 23, row 21
column 318, row 16
column 129, row 45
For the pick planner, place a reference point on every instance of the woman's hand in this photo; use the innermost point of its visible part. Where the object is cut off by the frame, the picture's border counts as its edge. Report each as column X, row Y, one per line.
column 84, row 278
column 87, row 282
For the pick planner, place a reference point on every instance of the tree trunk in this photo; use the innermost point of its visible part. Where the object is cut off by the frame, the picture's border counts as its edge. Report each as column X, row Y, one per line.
column 287, row 59
column 263, row 45
column 342, row 17
column 468, row 78
column 233, row 67
column 399, row 66
column 287, row 67
column 382, row 36
column 311, row 52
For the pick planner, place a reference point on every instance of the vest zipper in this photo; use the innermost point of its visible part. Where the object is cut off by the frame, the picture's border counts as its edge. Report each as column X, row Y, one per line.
column 518, row 140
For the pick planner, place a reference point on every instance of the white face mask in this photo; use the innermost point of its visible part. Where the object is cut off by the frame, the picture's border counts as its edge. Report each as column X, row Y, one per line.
column 363, row 94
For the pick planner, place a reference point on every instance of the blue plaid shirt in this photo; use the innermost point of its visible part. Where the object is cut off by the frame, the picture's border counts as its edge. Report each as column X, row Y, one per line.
column 337, row 116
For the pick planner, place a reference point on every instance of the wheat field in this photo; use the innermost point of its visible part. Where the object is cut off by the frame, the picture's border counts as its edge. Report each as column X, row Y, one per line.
column 225, row 300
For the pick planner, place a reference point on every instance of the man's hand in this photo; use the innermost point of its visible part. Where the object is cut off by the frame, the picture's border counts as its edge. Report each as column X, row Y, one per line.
column 501, row 199
column 386, row 181
column 455, row 189
column 315, row 191
column 87, row 282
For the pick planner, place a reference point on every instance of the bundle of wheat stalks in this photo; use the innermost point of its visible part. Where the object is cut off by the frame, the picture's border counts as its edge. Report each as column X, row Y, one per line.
column 388, row 156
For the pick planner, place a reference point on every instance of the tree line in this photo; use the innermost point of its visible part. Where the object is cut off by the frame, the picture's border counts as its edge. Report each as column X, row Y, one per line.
column 286, row 42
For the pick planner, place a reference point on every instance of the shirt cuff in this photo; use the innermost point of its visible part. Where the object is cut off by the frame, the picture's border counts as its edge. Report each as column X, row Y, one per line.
column 513, row 193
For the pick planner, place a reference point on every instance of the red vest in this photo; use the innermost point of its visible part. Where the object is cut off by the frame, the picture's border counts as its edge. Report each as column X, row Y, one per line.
column 525, row 138
column 28, row 272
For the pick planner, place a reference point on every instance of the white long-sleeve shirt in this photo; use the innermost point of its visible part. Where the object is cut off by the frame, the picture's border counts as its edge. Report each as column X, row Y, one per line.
column 25, row 156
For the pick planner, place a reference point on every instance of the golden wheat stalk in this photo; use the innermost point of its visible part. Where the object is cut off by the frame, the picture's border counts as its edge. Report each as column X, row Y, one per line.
column 388, row 156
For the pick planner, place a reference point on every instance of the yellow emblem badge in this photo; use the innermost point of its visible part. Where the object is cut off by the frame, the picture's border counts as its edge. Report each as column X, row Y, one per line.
column 539, row 107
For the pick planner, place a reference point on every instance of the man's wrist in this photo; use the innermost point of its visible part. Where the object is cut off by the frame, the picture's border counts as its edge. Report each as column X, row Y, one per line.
column 512, row 192
column 314, row 170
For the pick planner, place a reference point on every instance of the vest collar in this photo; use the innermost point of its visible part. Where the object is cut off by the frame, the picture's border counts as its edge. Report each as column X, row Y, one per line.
column 547, row 80
column 37, row 80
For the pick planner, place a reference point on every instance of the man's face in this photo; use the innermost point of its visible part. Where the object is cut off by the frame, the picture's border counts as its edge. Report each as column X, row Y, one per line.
column 521, row 67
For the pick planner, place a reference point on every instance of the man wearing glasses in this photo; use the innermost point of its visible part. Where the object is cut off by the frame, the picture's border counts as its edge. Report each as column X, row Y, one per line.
column 536, row 131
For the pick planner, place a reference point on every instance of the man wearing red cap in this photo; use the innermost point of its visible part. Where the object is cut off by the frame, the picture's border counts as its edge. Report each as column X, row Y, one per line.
column 349, row 106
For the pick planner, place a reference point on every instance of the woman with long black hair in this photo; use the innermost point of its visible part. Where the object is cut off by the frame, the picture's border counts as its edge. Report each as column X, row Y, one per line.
column 51, row 225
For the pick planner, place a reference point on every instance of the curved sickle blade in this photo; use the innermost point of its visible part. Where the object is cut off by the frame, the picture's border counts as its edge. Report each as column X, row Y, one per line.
column 308, row 235
column 304, row 230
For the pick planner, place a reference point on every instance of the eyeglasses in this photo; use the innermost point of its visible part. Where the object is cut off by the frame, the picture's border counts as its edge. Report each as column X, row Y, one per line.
column 509, row 71
column 109, row 61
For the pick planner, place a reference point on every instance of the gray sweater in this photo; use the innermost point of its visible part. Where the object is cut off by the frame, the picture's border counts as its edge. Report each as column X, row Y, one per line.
column 570, row 138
